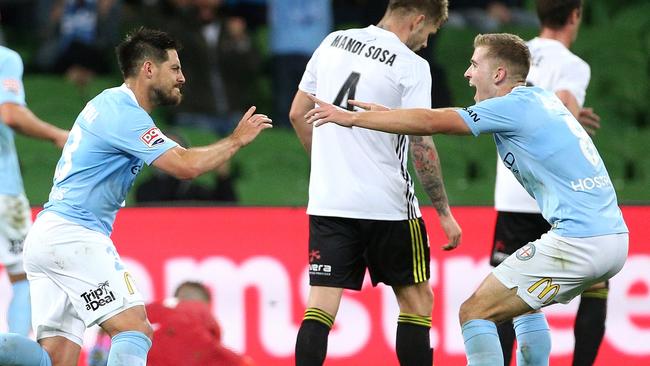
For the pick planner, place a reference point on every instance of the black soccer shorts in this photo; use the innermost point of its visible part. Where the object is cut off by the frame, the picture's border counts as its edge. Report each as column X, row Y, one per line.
column 340, row 249
column 513, row 230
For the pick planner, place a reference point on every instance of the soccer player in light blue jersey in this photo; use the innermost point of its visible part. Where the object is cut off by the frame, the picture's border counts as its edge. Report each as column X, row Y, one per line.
column 553, row 157
column 15, row 214
column 75, row 274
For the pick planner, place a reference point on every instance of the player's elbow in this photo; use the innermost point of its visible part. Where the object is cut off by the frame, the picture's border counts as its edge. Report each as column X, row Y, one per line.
column 296, row 116
column 9, row 116
column 186, row 172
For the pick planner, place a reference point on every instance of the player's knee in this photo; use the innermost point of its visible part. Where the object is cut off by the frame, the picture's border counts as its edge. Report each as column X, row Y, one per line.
column 474, row 308
column 467, row 311
column 424, row 299
column 146, row 329
column 415, row 299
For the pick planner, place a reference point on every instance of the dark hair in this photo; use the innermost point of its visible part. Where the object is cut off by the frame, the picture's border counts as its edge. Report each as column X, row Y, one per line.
column 198, row 291
column 142, row 44
column 554, row 14
column 434, row 10
column 509, row 49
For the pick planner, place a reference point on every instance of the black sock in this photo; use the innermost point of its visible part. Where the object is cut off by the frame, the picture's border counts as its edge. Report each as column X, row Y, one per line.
column 311, row 343
column 412, row 342
column 507, row 338
column 589, row 328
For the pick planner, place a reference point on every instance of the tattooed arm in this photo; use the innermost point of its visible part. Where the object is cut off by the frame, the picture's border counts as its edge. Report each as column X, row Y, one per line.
column 427, row 167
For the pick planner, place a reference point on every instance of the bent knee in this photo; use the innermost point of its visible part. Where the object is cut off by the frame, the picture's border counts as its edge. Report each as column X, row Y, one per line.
column 146, row 329
column 466, row 312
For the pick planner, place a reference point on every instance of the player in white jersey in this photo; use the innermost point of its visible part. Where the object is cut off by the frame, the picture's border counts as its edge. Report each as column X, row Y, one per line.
column 362, row 208
column 15, row 214
column 553, row 157
column 519, row 221
column 76, row 276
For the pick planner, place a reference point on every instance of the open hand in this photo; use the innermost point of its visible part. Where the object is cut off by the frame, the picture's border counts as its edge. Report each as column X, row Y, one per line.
column 250, row 126
column 326, row 112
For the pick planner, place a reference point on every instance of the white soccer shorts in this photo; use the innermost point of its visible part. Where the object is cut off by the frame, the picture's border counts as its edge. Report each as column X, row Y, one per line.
column 15, row 220
column 557, row 269
column 76, row 278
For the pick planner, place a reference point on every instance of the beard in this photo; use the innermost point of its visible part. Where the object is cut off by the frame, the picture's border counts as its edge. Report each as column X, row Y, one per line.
column 161, row 98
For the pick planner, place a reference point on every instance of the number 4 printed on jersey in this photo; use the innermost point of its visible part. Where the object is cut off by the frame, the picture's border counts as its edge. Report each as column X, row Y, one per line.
column 348, row 90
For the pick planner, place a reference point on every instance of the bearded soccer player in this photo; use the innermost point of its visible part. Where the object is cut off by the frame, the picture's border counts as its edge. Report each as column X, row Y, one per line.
column 362, row 209
column 553, row 157
column 75, row 273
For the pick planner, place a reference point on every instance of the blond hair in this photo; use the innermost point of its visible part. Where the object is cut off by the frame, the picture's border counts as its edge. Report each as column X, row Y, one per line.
column 508, row 49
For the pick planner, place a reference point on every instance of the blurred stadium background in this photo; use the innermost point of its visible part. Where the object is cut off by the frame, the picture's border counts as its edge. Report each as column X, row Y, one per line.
column 274, row 171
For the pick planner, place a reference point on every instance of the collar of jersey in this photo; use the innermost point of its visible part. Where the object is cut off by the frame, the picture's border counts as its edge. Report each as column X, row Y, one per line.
column 380, row 31
column 128, row 92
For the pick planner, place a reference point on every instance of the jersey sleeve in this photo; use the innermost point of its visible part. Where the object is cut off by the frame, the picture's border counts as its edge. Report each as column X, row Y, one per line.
column 492, row 115
column 574, row 77
column 417, row 86
column 308, row 82
column 141, row 138
column 11, row 83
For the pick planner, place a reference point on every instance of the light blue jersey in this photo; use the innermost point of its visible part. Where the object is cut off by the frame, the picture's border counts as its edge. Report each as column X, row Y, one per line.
column 553, row 157
column 108, row 143
column 11, row 91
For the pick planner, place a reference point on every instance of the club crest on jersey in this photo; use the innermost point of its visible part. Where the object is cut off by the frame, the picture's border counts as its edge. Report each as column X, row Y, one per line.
column 526, row 252
column 11, row 85
column 152, row 137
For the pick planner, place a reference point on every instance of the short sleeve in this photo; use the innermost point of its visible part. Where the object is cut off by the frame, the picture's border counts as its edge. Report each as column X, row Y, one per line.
column 417, row 86
column 141, row 138
column 308, row 82
column 491, row 115
column 11, row 83
column 574, row 77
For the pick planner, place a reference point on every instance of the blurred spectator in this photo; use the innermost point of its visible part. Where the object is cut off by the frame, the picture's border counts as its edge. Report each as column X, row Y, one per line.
column 185, row 333
column 490, row 15
column 162, row 187
column 220, row 65
column 254, row 11
column 78, row 36
column 221, row 68
column 296, row 28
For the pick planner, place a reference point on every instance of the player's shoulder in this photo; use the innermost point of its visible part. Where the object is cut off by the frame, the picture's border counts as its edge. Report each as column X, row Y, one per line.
column 121, row 99
column 554, row 50
column 116, row 105
column 9, row 55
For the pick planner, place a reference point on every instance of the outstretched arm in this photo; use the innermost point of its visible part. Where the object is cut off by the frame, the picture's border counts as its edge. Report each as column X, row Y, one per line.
column 421, row 122
column 189, row 163
column 427, row 167
column 22, row 120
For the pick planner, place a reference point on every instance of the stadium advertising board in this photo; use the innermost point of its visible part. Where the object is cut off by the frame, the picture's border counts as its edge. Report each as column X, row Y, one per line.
column 255, row 262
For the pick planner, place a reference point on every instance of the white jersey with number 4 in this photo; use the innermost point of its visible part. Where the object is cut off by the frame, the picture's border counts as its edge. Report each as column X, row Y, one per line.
column 355, row 172
column 553, row 68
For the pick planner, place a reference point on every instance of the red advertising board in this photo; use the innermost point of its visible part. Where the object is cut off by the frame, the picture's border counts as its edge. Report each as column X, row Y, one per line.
column 255, row 262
